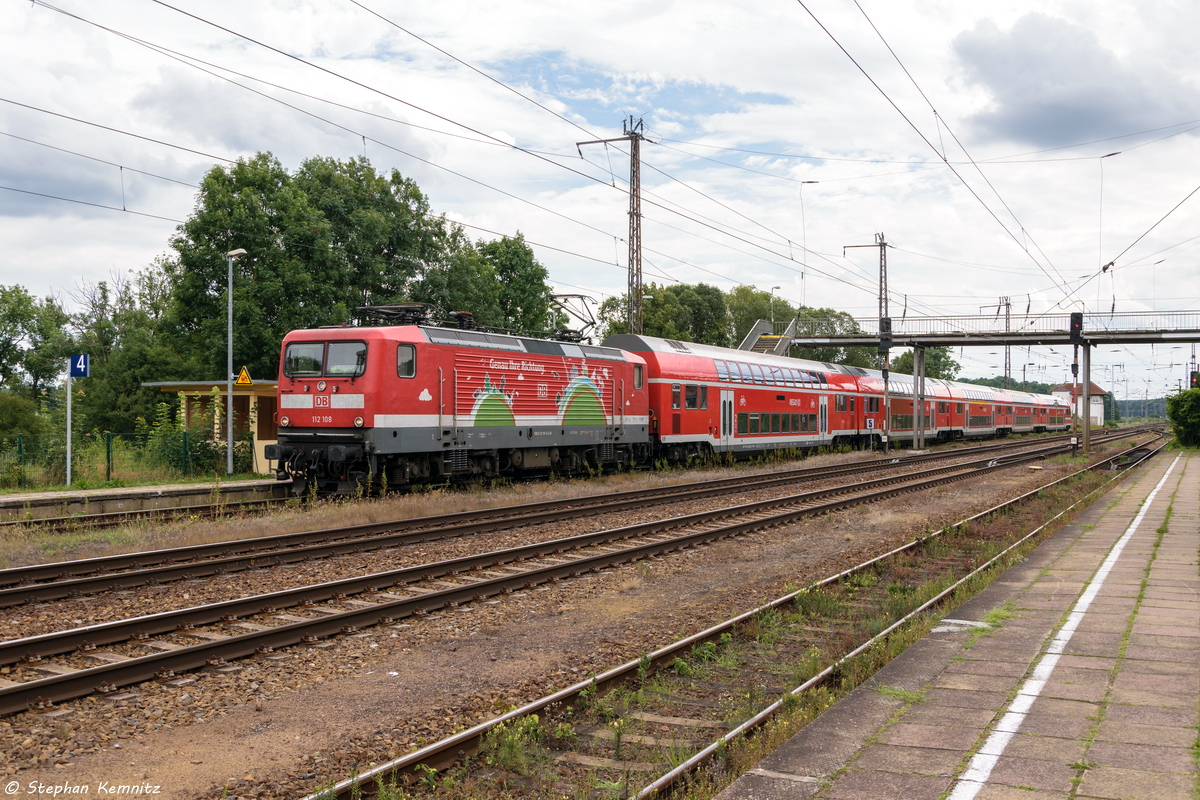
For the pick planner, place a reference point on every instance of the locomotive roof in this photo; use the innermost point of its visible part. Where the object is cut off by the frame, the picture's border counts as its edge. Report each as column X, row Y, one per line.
column 459, row 337
column 519, row 344
column 898, row 383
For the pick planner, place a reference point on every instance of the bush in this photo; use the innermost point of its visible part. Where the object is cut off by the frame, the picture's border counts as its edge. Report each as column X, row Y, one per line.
column 1183, row 410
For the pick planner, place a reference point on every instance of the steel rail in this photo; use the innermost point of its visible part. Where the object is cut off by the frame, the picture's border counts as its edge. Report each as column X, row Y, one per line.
column 110, row 518
column 71, row 577
column 448, row 751
column 36, row 647
column 42, row 692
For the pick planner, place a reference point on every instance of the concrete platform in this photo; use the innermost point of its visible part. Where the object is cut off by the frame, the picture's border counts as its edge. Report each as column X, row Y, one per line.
column 40, row 505
column 1090, row 689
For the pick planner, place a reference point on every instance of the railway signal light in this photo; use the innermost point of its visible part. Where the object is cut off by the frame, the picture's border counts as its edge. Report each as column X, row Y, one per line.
column 885, row 334
column 1195, row 379
column 1076, row 327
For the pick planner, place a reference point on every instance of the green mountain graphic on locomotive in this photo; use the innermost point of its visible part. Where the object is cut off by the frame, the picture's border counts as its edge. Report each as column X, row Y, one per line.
column 493, row 408
column 582, row 404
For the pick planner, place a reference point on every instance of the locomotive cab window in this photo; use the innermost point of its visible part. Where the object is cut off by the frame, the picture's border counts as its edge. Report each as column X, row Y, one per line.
column 704, row 397
column 303, row 359
column 406, row 360
column 346, row 359
column 692, row 395
column 637, row 376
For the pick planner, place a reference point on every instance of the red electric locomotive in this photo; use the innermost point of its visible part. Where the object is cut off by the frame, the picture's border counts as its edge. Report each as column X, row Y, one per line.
column 397, row 404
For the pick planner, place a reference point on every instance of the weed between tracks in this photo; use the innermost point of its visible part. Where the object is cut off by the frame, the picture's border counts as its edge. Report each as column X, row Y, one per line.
column 611, row 745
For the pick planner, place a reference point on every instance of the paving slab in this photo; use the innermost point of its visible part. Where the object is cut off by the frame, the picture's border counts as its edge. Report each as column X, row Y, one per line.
column 1091, row 691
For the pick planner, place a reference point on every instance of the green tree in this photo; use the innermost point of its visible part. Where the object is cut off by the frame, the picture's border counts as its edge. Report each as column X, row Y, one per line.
column 461, row 281
column 18, row 415
column 379, row 227
column 34, row 341
column 320, row 243
column 120, row 327
column 16, row 314
column 1183, row 410
column 747, row 305
column 682, row 311
column 827, row 322
column 523, row 297
column 938, row 363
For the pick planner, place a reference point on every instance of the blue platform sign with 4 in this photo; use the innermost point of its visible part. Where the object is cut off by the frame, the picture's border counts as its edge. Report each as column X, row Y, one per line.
column 80, row 364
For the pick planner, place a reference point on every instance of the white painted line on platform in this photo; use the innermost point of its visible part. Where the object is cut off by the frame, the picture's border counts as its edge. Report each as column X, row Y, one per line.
column 980, row 767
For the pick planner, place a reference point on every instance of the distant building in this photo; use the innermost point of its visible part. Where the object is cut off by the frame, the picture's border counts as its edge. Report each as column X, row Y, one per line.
column 1073, row 394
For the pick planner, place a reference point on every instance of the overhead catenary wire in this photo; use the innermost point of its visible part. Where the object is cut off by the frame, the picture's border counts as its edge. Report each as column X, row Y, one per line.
column 356, row 133
column 952, row 134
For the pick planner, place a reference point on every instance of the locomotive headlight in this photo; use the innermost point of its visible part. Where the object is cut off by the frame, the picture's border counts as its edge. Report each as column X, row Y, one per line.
column 358, row 422
column 284, row 422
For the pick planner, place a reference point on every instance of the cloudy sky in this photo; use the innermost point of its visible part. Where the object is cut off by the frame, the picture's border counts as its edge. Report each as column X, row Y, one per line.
column 1004, row 149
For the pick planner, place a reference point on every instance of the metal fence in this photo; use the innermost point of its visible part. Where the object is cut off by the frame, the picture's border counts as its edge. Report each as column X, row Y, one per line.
column 31, row 462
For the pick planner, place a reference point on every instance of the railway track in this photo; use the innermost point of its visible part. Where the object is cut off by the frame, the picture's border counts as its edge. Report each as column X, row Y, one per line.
column 684, row 704
column 399, row 594
column 214, row 510
column 45, row 582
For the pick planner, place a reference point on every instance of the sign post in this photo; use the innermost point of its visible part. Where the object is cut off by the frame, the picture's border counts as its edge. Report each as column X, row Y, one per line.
column 79, row 367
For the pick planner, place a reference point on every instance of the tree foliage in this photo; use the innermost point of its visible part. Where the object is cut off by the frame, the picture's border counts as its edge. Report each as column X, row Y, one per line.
column 1183, row 410
column 826, row 321
column 523, row 299
column 318, row 244
column 938, row 363
column 35, row 341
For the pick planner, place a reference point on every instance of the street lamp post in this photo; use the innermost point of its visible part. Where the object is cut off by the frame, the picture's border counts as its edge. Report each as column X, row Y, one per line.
column 773, row 288
column 229, row 257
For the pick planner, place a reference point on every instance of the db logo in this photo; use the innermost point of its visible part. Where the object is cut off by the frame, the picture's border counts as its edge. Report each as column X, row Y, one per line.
column 742, row 401
column 321, row 401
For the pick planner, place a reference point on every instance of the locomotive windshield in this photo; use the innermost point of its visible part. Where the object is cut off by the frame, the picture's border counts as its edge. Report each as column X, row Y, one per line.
column 334, row 359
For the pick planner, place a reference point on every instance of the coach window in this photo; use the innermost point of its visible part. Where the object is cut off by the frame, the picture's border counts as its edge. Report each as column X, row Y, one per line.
column 754, row 422
column 795, row 423
column 841, row 402
column 958, row 408
column 637, row 376
column 757, row 372
column 743, row 424
column 774, row 423
column 303, row 359
column 704, row 397
column 406, row 360
column 346, row 359
column 722, row 370
column 674, row 395
column 692, row 395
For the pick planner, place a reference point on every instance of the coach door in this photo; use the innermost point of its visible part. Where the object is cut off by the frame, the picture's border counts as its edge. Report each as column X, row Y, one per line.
column 824, row 420
column 726, row 419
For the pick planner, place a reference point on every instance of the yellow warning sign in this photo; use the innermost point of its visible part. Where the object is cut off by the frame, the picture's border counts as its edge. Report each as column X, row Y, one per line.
column 243, row 378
